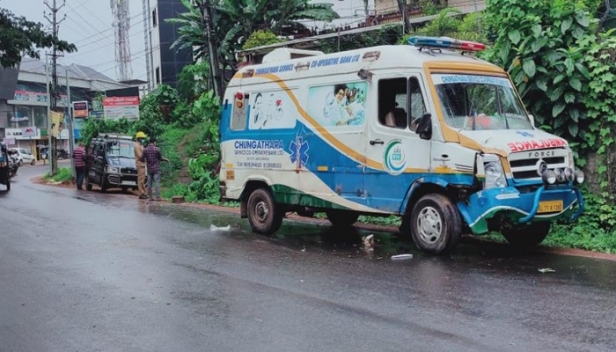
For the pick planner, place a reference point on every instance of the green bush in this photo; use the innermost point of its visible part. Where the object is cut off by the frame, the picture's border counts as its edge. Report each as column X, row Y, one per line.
column 64, row 175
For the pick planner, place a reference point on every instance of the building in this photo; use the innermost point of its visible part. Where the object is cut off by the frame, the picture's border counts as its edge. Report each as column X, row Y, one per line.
column 163, row 64
column 27, row 107
column 387, row 11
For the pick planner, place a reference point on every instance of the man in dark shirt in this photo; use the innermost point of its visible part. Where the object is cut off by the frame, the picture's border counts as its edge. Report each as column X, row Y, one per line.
column 152, row 157
column 79, row 154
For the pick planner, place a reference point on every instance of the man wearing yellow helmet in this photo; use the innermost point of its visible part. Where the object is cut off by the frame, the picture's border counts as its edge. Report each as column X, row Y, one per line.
column 139, row 137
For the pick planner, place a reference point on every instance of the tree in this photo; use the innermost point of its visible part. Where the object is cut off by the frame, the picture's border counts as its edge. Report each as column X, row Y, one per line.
column 18, row 36
column 260, row 38
column 537, row 42
column 252, row 15
column 607, row 15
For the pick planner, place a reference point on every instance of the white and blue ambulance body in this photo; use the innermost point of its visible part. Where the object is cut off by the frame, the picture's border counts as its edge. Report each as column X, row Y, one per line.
column 425, row 131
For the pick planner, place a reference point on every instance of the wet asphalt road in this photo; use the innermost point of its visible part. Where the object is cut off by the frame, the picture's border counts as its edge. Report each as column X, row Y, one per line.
column 80, row 271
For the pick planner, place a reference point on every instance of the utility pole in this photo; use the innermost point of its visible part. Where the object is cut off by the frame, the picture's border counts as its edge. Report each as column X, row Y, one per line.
column 206, row 7
column 55, row 91
column 48, row 114
column 71, row 137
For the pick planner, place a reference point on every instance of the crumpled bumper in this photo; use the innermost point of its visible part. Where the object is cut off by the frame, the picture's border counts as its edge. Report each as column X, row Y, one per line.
column 519, row 207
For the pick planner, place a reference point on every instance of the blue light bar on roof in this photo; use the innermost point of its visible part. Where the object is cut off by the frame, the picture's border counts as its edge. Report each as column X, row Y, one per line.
column 447, row 43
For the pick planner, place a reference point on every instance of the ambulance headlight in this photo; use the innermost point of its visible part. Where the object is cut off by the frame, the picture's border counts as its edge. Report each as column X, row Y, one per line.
column 569, row 174
column 579, row 176
column 549, row 177
column 495, row 175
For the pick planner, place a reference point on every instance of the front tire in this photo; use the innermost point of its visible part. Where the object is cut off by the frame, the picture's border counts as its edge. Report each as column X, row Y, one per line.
column 33, row 162
column 436, row 225
column 527, row 236
column 341, row 218
column 264, row 215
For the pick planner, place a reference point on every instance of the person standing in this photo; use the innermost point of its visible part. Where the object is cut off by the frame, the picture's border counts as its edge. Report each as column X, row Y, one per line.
column 153, row 157
column 79, row 155
column 140, row 164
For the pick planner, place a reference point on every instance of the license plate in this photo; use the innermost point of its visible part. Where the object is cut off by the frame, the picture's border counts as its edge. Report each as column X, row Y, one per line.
column 552, row 206
column 129, row 183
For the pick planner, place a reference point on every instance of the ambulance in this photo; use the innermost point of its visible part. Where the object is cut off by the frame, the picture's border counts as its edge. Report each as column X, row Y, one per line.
column 426, row 131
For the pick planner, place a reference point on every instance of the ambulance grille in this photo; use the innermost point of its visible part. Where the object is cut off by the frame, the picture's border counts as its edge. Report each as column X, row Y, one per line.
column 524, row 165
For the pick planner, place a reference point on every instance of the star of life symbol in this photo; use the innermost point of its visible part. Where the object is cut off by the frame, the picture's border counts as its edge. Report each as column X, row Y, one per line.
column 299, row 151
column 524, row 134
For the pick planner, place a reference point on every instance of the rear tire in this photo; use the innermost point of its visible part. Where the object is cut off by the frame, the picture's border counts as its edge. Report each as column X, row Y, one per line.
column 88, row 183
column 436, row 225
column 527, row 236
column 264, row 215
column 342, row 218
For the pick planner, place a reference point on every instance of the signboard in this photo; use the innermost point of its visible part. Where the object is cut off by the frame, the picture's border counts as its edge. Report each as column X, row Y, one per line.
column 118, row 107
column 9, row 141
column 29, row 132
column 97, row 114
column 24, row 95
column 80, row 109
column 17, row 133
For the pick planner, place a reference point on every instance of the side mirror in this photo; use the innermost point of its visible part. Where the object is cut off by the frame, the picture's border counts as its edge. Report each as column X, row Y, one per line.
column 532, row 120
column 424, row 127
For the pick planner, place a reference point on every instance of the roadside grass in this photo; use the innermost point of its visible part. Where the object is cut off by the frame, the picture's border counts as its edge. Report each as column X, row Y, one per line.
column 64, row 175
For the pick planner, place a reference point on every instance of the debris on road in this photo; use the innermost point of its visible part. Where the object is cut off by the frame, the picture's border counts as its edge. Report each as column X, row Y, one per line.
column 547, row 270
column 216, row 228
column 368, row 242
column 402, row 257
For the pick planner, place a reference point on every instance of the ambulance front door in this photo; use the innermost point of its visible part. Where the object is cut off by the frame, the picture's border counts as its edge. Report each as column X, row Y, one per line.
column 401, row 156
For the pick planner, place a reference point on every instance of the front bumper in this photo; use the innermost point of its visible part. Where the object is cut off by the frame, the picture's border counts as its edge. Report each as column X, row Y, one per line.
column 519, row 207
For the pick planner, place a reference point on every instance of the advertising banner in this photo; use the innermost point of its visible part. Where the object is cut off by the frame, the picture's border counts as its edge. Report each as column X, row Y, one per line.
column 56, row 121
column 121, row 107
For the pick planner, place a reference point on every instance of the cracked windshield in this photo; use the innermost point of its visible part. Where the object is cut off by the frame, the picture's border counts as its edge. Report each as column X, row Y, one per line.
column 472, row 102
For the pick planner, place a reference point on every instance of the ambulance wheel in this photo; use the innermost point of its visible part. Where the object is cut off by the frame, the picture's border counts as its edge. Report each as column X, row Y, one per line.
column 527, row 236
column 436, row 226
column 341, row 218
column 264, row 215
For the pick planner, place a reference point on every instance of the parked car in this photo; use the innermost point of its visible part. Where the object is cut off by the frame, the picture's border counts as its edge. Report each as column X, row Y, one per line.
column 111, row 163
column 24, row 156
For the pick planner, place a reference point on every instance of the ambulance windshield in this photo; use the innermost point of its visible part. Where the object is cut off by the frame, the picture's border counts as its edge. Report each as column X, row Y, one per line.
column 473, row 102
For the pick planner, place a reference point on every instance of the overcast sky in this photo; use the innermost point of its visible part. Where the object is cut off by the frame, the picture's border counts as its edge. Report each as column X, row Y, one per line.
column 89, row 26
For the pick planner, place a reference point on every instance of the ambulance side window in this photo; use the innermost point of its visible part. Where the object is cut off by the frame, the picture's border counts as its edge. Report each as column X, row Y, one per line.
column 392, row 102
column 239, row 112
column 417, row 105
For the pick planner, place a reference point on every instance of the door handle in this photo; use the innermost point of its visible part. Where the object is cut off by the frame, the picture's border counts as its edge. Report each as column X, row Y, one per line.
column 376, row 141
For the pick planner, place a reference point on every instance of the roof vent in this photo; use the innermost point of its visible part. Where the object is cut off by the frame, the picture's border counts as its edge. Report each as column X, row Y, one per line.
column 284, row 54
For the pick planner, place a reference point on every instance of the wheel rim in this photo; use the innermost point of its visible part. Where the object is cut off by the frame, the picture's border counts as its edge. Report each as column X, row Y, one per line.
column 261, row 211
column 429, row 225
